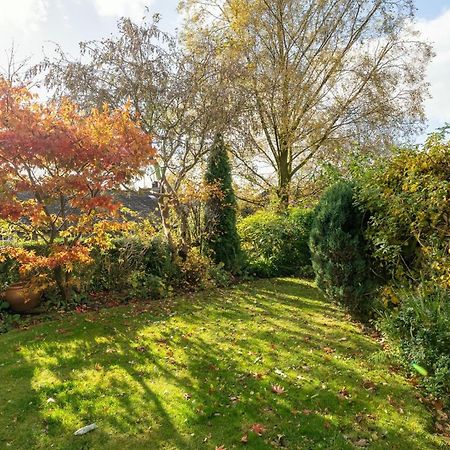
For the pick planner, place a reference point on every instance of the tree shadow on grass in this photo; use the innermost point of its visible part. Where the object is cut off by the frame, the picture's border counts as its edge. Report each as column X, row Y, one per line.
column 200, row 374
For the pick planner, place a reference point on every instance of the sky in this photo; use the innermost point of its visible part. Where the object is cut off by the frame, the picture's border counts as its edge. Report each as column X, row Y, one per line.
column 34, row 26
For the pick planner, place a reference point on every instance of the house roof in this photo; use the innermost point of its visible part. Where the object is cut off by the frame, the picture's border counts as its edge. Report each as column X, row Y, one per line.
column 141, row 202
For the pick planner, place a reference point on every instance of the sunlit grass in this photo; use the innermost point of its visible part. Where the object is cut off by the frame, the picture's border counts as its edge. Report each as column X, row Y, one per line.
column 198, row 372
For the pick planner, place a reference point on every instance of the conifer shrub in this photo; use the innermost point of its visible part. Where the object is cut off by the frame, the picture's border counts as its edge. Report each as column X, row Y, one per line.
column 221, row 236
column 339, row 250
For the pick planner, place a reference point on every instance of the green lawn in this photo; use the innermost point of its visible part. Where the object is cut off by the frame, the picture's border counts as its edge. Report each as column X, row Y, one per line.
column 199, row 373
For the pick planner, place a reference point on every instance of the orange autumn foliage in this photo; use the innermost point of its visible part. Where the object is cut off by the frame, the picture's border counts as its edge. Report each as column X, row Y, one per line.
column 58, row 167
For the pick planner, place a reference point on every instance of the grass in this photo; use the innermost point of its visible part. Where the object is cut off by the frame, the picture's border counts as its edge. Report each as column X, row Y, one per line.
column 199, row 372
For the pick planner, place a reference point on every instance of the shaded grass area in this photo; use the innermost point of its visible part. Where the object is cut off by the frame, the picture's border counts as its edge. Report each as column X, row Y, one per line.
column 199, row 372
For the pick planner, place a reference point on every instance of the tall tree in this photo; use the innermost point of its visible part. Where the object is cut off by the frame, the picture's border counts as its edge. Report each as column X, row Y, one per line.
column 222, row 239
column 320, row 77
column 169, row 93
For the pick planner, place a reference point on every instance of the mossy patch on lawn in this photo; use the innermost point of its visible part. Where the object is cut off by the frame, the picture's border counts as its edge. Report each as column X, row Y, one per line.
column 268, row 364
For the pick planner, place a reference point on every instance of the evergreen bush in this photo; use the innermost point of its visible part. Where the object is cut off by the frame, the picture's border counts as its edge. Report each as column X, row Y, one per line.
column 339, row 250
column 222, row 239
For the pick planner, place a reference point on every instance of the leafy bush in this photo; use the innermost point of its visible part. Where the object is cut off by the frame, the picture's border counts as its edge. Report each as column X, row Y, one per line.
column 145, row 285
column 339, row 250
column 277, row 244
column 113, row 267
column 299, row 221
column 9, row 273
column 420, row 326
column 193, row 271
column 144, row 268
column 409, row 202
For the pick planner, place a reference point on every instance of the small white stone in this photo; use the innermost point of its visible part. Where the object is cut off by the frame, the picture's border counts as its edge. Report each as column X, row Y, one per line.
column 85, row 429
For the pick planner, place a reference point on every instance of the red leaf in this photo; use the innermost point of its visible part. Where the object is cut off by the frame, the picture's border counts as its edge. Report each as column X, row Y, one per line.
column 258, row 429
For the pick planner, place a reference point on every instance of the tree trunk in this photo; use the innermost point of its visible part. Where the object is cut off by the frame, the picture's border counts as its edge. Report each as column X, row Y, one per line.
column 62, row 281
column 164, row 212
column 284, row 179
column 185, row 234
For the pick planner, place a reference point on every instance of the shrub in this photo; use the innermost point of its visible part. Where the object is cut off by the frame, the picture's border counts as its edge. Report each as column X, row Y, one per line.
column 299, row 221
column 277, row 244
column 222, row 239
column 113, row 267
column 143, row 285
column 339, row 250
column 408, row 199
column 9, row 273
column 144, row 268
column 420, row 327
column 192, row 271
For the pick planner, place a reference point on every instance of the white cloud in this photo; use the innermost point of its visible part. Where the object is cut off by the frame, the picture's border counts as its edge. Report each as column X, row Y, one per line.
column 24, row 15
column 118, row 8
column 437, row 31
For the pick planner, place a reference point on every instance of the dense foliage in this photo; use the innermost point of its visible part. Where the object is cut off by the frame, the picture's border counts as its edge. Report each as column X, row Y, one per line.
column 277, row 244
column 58, row 167
column 409, row 202
column 339, row 250
column 420, row 326
column 143, row 267
column 222, row 238
column 408, row 198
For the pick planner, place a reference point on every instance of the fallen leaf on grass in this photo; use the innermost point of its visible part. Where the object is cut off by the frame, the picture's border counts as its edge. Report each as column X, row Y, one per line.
column 141, row 349
column 244, row 439
column 280, row 441
column 280, row 373
column 258, row 429
column 277, row 389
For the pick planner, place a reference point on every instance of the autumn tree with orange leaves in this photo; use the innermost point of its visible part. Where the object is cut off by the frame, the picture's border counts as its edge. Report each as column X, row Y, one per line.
column 58, row 169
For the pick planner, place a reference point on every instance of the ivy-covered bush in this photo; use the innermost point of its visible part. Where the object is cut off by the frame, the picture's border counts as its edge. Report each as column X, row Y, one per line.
column 408, row 198
column 277, row 244
column 420, row 327
column 339, row 250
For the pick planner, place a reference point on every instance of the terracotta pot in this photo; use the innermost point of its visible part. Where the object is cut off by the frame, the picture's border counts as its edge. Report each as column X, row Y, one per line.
column 22, row 298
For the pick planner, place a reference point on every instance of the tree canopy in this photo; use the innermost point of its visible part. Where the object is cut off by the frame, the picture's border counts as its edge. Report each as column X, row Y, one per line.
column 319, row 78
